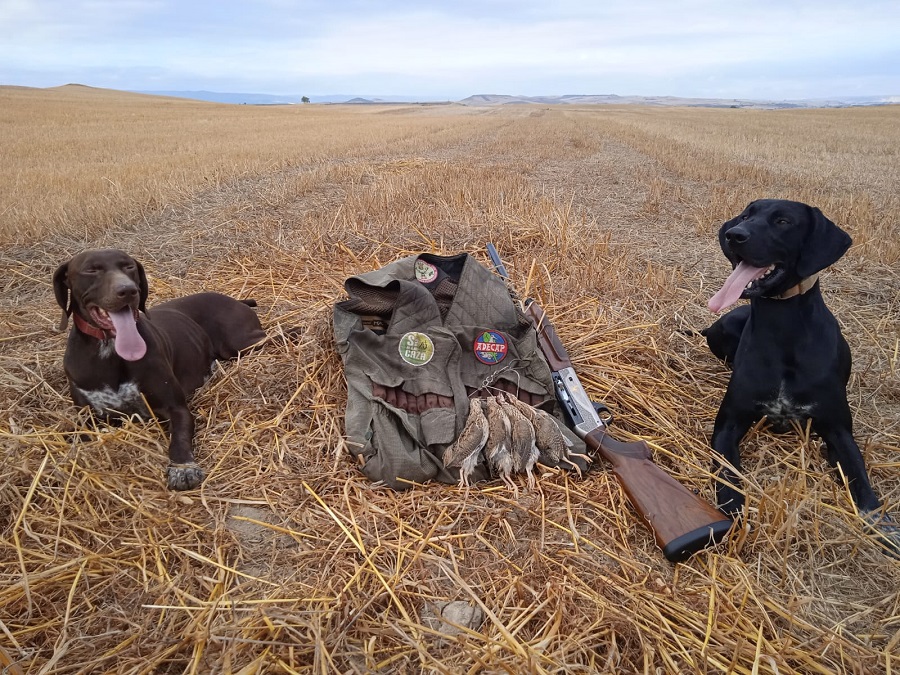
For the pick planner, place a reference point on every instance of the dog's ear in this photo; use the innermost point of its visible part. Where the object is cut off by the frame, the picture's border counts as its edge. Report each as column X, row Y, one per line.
column 825, row 244
column 145, row 287
column 61, row 291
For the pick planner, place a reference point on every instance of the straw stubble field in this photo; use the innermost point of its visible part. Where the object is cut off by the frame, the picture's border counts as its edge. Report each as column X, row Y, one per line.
column 287, row 559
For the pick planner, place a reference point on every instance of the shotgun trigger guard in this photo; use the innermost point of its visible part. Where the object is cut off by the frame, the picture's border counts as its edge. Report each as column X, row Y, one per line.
column 604, row 413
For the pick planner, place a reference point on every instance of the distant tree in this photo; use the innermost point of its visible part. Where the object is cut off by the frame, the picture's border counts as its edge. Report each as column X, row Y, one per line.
column 304, row 99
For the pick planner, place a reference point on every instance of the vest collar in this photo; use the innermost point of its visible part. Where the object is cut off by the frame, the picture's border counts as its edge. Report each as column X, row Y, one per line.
column 801, row 288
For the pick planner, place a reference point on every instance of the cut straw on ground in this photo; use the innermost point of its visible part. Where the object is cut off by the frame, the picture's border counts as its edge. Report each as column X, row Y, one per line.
column 288, row 560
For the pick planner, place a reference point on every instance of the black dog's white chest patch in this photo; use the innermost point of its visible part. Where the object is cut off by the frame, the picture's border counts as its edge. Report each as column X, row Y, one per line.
column 781, row 409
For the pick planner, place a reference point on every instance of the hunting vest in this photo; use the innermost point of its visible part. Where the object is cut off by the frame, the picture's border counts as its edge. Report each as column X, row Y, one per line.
column 417, row 338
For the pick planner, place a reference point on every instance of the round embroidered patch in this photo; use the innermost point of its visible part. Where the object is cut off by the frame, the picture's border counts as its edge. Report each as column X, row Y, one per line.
column 426, row 272
column 490, row 347
column 416, row 349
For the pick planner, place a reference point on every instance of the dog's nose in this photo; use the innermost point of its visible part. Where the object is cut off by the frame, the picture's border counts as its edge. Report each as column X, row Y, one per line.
column 126, row 291
column 737, row 235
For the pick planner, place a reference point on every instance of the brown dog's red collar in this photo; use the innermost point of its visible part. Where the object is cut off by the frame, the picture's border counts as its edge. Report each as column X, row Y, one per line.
column 88, row 329
column 799, row 289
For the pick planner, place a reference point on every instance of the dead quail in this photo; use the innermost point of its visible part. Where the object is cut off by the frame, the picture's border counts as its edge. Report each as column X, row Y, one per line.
column 523, row 407
column 497, row 448
column 524, row 451
column 464, row 451
column 551, row 442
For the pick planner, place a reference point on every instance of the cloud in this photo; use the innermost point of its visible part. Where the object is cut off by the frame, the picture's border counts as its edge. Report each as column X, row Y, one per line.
column 281, row 46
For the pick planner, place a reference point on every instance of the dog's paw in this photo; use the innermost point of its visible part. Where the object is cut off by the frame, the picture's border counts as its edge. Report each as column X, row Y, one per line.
column 885, row 529
column 730, row 502
column 184, row 476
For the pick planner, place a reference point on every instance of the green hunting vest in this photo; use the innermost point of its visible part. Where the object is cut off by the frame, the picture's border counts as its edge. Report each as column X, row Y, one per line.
column 417, row 338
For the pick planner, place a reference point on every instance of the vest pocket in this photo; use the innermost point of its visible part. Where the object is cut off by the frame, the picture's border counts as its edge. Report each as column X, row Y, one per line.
column 510, row 361
column 438, row 428
column 394, row 456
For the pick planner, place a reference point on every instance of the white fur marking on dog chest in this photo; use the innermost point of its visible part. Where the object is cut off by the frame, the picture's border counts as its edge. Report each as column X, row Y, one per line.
column 783, row 409
column 126, row 399
column 107, row 348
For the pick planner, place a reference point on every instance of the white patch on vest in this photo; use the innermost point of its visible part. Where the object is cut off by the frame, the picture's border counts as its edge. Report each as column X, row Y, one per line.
column 782, row 409
column 126, row 399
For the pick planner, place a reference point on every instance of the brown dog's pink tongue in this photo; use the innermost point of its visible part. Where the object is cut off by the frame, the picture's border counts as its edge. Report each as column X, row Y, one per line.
column 129, row 343
column 734, row 285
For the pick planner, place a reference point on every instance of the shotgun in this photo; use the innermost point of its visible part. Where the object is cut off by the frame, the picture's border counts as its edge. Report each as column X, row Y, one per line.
column 681, row 522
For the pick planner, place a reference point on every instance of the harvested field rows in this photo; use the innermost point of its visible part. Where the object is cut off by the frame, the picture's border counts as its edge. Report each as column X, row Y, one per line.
column 287, row 559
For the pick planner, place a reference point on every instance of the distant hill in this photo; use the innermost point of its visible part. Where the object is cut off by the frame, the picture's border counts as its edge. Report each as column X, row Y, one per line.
column 280, row 99
column 228, row 97
column 614, row 99
column 567, row 99
column 484, row 99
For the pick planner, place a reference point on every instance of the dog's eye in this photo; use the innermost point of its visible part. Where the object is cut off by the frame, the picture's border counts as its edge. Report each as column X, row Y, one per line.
column 745, row 216
column 782, row 221
column 90, row 270
column 130, row 267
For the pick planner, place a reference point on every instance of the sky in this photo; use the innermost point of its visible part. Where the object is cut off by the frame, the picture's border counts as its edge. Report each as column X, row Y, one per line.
column 431, row 50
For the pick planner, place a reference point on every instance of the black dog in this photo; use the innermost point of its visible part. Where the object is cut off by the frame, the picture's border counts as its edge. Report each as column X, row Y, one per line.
column 120, row 355
column 790, row 360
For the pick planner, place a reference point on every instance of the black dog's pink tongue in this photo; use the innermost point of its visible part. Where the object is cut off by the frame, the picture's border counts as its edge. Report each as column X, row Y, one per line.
column 734, row 285
column 129, row 343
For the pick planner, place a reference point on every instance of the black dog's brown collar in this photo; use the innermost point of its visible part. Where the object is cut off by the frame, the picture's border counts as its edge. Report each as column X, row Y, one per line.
column 88, row 329
column 799, row 289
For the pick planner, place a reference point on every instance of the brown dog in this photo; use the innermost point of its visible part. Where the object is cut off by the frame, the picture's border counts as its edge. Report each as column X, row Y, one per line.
column 120, row 355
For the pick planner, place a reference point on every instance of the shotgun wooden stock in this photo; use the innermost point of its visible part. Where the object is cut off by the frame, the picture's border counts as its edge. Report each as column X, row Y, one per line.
column 682, row 522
